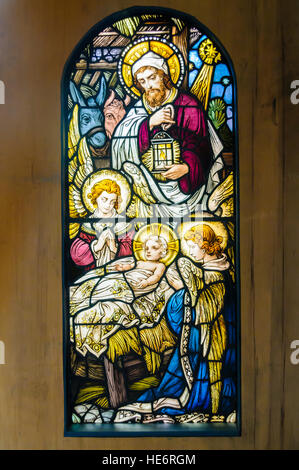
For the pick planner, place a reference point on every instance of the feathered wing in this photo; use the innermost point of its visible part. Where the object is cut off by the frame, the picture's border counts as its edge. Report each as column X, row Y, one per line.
column 73, row 230
column 142, row 199
column 192, row 277
column 75, row 203
column 230, row 250
column 213, row 330
column 211, row 299
column 80, row 166
column 73, row 133
column 207, row 290
column 221, row 203
column 84, row 164
column 221, row 200
column 140, row 185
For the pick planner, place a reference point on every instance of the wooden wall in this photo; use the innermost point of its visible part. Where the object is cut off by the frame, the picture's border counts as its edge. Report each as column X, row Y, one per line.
column 36, row 38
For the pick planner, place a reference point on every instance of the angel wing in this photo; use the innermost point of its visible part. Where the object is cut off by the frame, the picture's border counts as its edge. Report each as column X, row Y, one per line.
column 221, row 200
column 73, row 133
column 80, row 166
column 76, row 207
column 140, row 184
column 207, row 290
column 192, row 277
column 231, row 252
column 142, row 199
column 84, row 164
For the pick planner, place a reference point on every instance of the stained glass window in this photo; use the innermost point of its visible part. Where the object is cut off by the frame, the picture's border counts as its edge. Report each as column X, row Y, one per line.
column 150, row 216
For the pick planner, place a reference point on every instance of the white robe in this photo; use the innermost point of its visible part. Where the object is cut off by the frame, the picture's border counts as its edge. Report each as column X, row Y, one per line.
column 100, row 306
column 172, row 202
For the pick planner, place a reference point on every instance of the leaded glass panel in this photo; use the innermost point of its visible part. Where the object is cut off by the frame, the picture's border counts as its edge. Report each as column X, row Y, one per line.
column 150, row 215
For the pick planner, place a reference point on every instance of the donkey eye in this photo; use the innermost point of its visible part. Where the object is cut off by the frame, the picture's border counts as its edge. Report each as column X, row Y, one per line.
column 85, row 119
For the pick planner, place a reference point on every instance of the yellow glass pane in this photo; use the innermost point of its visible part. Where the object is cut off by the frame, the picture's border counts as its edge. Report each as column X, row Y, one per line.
column 161, row 48
column 174, row 68
column 136, row 52
column 135, row 90
column 127, row 75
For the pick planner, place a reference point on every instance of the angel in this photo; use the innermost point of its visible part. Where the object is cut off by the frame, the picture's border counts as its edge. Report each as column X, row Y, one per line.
column 102, row 195
column 98, row 242
column 197, row 378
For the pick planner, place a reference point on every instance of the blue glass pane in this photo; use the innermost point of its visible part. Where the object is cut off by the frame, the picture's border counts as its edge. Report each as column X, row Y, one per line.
column 196, row 45
column 228, row 95
column 221, row 70
column 192, row 77
column 217, row 91
column 230, row 124
column 229, row 112
column 194, row 57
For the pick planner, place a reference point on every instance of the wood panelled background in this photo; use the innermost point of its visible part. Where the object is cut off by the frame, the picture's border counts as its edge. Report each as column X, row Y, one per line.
column 36, row 38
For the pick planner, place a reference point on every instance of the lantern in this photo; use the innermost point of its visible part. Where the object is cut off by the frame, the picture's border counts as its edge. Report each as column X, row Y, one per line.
column 163, row 153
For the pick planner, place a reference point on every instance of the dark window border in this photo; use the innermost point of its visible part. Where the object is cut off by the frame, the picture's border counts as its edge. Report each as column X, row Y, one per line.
column 138, row 430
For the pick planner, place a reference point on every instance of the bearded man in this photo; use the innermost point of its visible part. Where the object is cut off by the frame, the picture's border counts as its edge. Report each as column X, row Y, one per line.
column 163, row 107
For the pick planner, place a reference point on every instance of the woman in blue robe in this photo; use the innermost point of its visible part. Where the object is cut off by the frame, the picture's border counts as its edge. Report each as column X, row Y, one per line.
column 201, row 374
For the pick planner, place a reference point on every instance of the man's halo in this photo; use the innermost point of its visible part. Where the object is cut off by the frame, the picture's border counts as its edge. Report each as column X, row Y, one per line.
column 137, row 49
column 100, row 175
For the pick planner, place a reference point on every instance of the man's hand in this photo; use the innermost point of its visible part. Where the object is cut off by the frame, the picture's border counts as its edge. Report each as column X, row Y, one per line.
column 174, row 172
column 162, row 116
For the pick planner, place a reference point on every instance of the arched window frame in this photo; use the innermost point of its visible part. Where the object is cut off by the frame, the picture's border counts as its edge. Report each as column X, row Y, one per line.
column 100, row 430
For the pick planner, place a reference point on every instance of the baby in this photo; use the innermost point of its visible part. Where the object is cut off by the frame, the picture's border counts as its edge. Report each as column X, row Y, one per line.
column 155, row 248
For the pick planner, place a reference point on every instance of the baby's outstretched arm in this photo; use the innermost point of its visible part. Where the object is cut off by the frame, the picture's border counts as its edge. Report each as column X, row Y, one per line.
column 124, row 267
column 154, row 278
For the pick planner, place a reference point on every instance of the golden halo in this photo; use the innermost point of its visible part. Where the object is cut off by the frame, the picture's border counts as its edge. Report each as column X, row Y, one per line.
column 135, row 51
column 218, row 227
column 156, row 229
column 100, row 175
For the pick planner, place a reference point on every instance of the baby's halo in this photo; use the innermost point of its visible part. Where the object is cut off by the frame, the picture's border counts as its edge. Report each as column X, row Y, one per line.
column 156, row 230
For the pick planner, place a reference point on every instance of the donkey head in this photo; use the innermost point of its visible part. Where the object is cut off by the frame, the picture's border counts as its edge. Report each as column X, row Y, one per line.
column 91, row 117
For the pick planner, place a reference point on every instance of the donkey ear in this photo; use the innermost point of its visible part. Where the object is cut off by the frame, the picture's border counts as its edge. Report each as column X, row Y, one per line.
column 100, row 98
column 76, row 94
